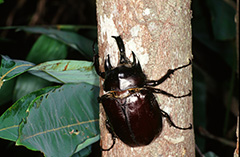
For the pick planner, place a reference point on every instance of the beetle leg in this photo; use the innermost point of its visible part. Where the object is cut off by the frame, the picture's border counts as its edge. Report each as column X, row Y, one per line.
column 108, row 126
column 164, row 114
column 110, row 129
column 166, row 76
column 156, row 90
column 96, row 61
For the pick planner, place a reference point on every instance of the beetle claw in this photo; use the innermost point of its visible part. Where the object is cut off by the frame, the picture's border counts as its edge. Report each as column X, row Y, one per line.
column 190, row 93
column 114, row 140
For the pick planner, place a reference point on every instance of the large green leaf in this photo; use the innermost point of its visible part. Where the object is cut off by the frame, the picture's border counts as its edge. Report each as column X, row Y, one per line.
column 67, row 71
column 10, row 120
column 46, row 49
column 72, row 39
column 11, row 68
column 61, row 119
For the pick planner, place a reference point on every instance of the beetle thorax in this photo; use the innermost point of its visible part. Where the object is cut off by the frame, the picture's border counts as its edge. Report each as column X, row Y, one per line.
column 125, row 83
column 123, row 78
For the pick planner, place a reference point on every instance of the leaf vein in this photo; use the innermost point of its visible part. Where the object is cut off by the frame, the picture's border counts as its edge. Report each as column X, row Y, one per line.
column 59, row 128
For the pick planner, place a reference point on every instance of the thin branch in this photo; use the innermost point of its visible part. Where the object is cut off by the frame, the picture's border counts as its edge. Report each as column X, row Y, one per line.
column 205, row 133
column 39, row 11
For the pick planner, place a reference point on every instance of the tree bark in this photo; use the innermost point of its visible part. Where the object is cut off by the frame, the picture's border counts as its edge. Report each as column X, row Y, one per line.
column 159, row 32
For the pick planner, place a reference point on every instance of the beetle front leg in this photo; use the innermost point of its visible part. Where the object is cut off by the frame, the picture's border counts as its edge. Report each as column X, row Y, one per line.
column 156, row 90
column 166, row 76
column 164, row 114
column 96, row 62
column 110, row 129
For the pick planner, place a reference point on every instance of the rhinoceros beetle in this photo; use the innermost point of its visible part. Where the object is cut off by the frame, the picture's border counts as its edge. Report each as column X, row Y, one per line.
column 133, row 113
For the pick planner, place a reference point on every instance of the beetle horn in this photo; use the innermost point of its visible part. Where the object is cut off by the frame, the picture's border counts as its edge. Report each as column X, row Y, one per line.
column 123, row 58
column 134, row 59
column 107, row 64
column 135, row 62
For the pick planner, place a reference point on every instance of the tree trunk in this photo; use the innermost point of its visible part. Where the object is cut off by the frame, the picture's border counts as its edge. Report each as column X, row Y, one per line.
column 159, row 32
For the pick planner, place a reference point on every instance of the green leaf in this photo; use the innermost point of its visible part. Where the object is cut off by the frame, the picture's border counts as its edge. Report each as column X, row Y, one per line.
column 76, row 27
column 85, row 152
column 72, row 39
column 61, row 119
column 67, row 71
column 222, row 18
column 11, row 68
column 85, row 148
column 87, row 143
column 45, row 49
column 27, row 83
column 10, row 120
column 210, row 154
column 1, row 1
column 6, row 91
column 88, row 31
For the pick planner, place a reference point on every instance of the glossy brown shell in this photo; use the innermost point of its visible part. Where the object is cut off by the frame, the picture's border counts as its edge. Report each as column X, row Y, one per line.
column 136, row 118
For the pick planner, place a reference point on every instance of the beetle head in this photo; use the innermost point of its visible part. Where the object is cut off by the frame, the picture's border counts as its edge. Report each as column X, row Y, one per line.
column 126, row 75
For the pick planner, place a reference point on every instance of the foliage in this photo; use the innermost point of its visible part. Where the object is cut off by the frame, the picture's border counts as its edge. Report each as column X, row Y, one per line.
column 215, row 79
column 56, row 120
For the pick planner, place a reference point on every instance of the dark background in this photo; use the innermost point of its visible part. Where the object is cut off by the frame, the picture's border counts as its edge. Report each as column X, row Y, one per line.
column 216, row 79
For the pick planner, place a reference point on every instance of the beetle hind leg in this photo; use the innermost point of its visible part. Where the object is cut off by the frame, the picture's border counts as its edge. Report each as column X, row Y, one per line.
column 110, row 129
column 164, row 114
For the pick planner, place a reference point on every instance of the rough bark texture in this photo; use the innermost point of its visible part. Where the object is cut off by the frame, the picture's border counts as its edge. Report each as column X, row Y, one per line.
column 159, row 32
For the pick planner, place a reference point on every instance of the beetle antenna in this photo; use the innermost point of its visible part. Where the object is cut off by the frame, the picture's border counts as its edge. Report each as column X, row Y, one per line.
column 123, row 58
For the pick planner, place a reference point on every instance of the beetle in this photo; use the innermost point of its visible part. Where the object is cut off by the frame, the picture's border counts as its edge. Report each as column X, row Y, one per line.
column 133, row 113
